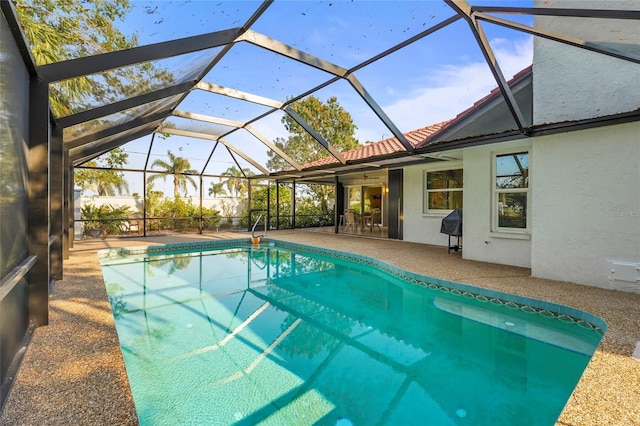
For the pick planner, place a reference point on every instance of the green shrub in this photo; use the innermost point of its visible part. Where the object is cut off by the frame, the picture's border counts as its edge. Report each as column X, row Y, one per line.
column 107, row 218
column 181, row 215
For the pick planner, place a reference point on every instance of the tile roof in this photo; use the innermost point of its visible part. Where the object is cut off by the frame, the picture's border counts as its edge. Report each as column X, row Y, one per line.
column 383, row 147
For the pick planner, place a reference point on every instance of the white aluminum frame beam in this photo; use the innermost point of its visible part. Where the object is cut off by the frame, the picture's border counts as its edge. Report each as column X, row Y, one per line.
column 238, row 125
column 237, row 94
column 208, row 119
column 290, row 52
column 205, row 136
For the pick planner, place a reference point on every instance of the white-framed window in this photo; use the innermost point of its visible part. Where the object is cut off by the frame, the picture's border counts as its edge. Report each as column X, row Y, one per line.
column 511, row 192
column 442, row 190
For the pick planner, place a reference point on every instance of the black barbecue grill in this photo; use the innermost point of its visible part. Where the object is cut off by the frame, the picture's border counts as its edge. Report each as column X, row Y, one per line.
column 452, row 226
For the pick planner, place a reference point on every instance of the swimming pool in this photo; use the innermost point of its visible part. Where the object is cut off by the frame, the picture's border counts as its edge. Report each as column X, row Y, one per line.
column 287, row 334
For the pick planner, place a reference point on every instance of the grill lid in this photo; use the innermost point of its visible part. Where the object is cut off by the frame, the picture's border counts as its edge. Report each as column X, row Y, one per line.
column 452, row 223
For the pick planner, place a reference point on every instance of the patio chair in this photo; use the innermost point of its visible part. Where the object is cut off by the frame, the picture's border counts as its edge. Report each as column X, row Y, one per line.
column 350, row 220
column 372, row 220
column 133, row 224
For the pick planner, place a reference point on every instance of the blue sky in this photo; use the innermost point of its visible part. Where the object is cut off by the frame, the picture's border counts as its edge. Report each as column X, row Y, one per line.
column 427, row 82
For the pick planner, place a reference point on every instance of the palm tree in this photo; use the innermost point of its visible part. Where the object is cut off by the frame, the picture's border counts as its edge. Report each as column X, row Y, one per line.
column 216, row 189
column 237, row 181
column 176, row 166
column 110, row 183
column 103, row 177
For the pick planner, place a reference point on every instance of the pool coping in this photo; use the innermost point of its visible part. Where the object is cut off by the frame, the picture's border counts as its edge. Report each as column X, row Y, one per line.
column 541, row 307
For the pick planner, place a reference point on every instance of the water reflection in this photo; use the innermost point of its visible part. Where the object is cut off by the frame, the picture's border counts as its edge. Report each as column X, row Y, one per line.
column 278, row 326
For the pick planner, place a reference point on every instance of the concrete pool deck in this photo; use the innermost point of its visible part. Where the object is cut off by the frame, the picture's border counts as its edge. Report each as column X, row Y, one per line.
column 73, row 372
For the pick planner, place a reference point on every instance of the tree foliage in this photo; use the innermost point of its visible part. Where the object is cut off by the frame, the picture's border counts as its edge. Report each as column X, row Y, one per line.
column 332, row 122
column 59, row 30
column 236, row 182
column 176, row 166
column 259, row 201
column 329, row 119
column 107, row 180
column 182, row 215
column 152, row 200
column 216, row 189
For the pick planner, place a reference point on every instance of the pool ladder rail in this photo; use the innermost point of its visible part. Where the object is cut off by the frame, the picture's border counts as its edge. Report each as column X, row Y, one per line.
column 255, row 239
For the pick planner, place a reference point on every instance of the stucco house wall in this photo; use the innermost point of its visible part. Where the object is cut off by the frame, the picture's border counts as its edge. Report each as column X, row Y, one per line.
column 586, row 214
column 421, row 227
column 572, row 84
column 587, row 205
column 480, row 243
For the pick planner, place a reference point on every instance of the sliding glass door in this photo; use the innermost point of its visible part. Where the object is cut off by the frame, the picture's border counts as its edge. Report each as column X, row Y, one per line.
column 364, row 199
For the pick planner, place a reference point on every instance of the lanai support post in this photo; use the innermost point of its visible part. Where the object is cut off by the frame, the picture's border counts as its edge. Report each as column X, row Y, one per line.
column 68, row 231
column 201, row 223
column 339, row 204
column 144, row 202
column 277, row 204
column 56, row 201
column 293, row 204
column 38, row 217
column 268, row 223
column 249, row 206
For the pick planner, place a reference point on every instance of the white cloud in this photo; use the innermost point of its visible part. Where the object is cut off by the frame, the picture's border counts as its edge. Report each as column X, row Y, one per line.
column 453, row 89
column 513, row 56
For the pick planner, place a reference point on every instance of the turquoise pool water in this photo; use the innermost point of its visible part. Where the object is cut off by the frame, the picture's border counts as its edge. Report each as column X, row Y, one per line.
column 275, row 334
